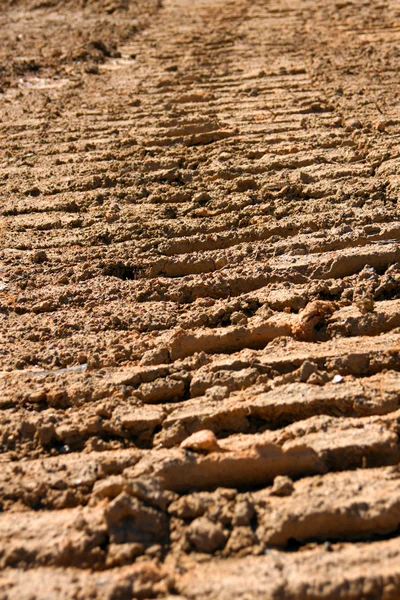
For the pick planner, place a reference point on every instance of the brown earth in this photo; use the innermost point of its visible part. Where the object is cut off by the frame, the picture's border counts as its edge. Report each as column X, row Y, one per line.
column 200, row 299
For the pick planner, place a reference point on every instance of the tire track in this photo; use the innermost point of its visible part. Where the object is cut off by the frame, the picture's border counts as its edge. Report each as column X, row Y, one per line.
column 199, row 300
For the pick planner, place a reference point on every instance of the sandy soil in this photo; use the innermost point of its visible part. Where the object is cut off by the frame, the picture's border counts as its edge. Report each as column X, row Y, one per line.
column 199, row 299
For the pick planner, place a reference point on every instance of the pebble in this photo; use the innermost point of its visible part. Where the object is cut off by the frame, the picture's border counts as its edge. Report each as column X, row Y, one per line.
column 238, row 318
column 206, row 536
column 39, row 256
column 381, row 125
column 282, row 486
column 217, row 392
column 354, row 124
column 201, row 441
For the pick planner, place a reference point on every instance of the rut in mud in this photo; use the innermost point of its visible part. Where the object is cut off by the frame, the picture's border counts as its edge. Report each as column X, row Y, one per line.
column 200, row 299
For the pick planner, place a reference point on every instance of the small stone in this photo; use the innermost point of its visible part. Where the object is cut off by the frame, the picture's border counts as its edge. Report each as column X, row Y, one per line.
column 282, row 486
column 354, row 124
column 206, row 536
column 315, row 313
column 238, row 318
column 337, row 379
column 122, row 554
column 46, row 433
column 365, row 304
column 338, row 122
column 306, row 370
column 39, row 256
column 201, row 198
column 316, row 379
column 110, row 217
column 37, row 397
column 381, row 125
column 110, row 487
column 243, row 513
column 155, row 357
column 43, row 307
column 201, row 441
column 92, row 68
column 217, row 392
column 244, row 184
column 241, row 538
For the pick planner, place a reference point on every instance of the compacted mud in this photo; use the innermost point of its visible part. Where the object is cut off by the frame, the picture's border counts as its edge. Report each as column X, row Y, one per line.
column 199, row 299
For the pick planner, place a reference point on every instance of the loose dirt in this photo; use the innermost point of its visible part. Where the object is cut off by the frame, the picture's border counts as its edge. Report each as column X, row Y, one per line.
column 199, row 299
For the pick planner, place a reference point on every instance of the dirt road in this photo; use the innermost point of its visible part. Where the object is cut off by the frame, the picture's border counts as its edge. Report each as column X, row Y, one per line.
column 200, row 299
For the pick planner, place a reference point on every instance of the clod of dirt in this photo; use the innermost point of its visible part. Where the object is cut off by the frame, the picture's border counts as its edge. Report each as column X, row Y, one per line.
column 241, row 538
column 243, row 513
column 311, row 318
column 131, row 521
column 365, row 304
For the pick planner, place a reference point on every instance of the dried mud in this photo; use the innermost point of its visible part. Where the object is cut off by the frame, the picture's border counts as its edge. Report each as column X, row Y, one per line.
column 199, row 299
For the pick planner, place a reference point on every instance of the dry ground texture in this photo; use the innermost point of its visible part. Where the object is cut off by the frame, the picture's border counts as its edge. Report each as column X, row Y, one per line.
column 200, row 299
